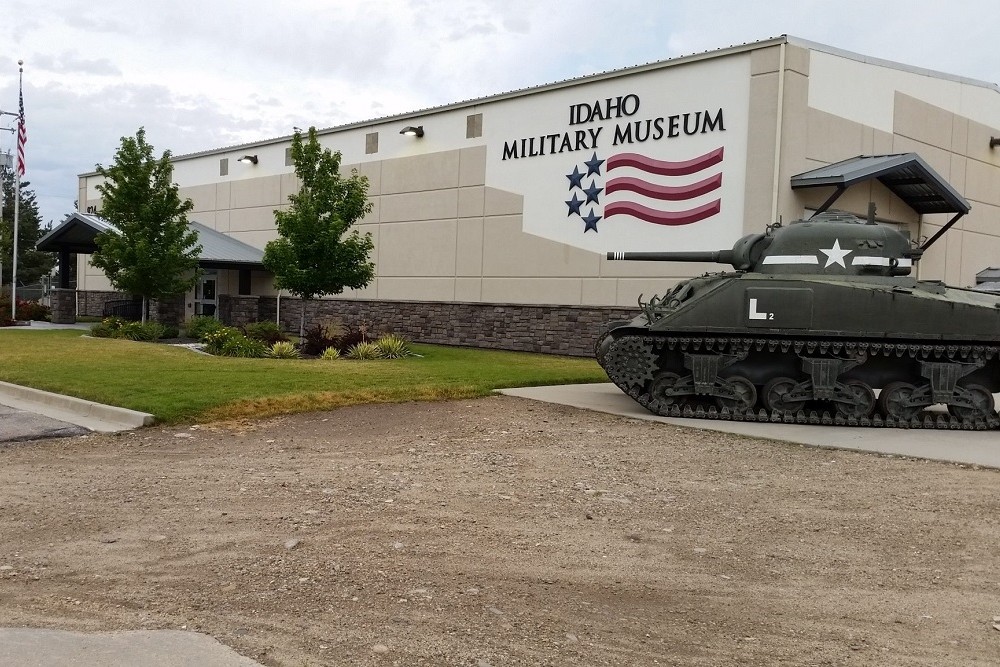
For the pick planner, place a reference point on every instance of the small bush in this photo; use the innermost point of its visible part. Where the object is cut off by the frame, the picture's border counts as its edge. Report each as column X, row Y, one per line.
column 200, row 326
column 116, row 327
column 241, row 346
column 170, row 332
column 148, row 332
column 330, row 353
column 321, row 334
column 283, row 350
column 392, row 346
column 31, row 310
column 215, row 340
column 362, row 333
column 230, row 342
column 364, row 350
column 268, row 333
column 106, row 328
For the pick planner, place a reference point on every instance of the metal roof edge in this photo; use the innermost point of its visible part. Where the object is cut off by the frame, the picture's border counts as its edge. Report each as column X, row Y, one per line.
column 588, row 78
column 497, row 97
column 881, row 62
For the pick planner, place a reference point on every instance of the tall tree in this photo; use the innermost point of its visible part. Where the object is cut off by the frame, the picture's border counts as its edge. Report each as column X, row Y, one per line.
column 31, row 264
column 155, row 253
column 312, row 256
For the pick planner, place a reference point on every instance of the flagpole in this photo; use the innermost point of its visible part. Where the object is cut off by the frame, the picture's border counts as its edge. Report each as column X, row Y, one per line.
column 21, row 138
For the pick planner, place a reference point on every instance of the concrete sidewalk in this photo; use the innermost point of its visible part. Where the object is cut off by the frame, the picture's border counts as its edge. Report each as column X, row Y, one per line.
column 29, row 647
column 968, row 447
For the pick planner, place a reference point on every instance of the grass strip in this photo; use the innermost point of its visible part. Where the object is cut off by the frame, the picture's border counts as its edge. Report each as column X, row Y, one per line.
column 175, row 384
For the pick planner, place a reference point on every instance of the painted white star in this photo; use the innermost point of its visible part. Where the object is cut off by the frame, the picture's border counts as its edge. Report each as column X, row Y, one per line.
column 835, row 255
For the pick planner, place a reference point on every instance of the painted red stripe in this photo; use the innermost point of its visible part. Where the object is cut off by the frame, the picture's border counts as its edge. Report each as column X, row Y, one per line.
column 671, row 218
column 664, row 192
column 666, row 167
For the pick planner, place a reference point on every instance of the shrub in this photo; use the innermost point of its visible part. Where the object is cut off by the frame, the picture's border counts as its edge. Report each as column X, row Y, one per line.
column 321, row 334
column 215, row 340
column 330, row 353
column 31, row 310
column 5, row 319
column 241, row 346
column 170, row 331
column 364, row 350
column 283, row 350
column 201, row 325
column 148, row 332
column 106, row 328
column 362, row 333
column 116, row 327
column 392, row 346
column 267, row 332
column 230, row 342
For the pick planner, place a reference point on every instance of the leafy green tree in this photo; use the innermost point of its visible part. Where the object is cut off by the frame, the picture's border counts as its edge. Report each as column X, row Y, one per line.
column 312, row 256
column 155, row 254
column 31, row 264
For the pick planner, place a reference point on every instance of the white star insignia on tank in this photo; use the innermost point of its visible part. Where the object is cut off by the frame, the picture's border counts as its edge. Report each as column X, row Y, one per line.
column 835, row 255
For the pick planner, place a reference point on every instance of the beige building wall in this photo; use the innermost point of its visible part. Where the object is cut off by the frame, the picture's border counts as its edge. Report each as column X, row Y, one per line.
column 442, row 233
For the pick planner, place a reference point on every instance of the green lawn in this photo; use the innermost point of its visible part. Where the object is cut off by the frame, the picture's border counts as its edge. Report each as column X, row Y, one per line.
column 176, row 384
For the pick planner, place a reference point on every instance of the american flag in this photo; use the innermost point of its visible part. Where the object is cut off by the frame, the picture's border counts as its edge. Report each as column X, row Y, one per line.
column 661, row 192
column 22, row 132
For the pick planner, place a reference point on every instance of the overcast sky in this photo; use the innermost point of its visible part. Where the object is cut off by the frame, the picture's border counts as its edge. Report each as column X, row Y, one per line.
column 214, row 73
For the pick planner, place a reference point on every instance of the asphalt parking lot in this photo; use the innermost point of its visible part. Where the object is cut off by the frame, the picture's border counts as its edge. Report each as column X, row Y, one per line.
column 19, row 425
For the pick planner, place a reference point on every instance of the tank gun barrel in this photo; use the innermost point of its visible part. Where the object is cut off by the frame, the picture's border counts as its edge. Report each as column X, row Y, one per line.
column 714, row 256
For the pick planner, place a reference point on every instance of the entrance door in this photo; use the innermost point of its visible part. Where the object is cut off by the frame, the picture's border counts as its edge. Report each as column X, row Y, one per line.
column 206, row 299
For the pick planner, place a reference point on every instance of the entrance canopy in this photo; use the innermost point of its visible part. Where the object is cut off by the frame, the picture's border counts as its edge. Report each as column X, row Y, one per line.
column 906, row 175
column 77, row 232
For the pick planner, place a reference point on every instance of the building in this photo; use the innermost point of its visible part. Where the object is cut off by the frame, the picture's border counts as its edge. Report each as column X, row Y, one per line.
column 492, row 217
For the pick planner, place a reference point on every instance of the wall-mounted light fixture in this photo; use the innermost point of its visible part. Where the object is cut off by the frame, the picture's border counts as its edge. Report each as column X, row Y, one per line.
column 248, row 159
column 994, row 142
column 413, row 131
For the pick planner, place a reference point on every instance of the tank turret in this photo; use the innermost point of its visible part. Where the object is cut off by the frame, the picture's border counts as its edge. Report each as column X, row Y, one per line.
column 819, row 323
column 813, row 246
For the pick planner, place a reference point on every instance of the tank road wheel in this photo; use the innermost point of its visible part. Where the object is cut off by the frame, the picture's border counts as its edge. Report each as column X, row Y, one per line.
column 776, row 395
column 659, row 392
column 862, row 400
column 895, row 400
column 744, row 394
column 982, row 403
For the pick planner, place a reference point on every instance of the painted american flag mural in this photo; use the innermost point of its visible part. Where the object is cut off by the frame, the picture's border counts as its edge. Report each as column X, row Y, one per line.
column 660, row 192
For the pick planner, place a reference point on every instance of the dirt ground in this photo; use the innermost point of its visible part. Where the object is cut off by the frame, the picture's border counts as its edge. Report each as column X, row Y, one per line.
column 503, row 532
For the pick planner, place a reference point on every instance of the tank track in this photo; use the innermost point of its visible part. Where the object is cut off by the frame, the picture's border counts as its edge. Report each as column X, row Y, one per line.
column 630, row 358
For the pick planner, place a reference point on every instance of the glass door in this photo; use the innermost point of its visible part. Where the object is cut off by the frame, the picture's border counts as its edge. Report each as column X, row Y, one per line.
column 206, row 299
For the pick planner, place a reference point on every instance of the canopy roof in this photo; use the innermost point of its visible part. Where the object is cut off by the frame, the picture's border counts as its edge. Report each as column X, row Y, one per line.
column 76, row 234
column 905, row 174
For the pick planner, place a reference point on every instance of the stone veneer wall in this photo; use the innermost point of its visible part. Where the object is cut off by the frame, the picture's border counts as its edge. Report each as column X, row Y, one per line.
column 168, row 311
column 63, row 306
column 570, row 330
column 91, row 303
column 238, row 310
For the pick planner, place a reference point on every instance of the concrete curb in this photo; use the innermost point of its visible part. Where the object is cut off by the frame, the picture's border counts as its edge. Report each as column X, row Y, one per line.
column 91, row 415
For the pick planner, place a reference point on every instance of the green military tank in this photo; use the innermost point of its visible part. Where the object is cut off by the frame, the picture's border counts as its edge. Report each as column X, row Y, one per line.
column 818, row 323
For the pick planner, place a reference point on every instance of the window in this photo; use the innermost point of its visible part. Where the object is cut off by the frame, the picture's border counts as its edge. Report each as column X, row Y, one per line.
column 474, row 126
